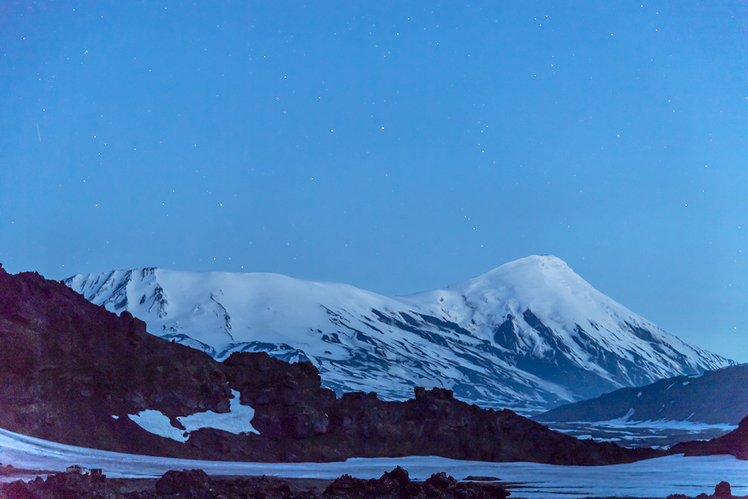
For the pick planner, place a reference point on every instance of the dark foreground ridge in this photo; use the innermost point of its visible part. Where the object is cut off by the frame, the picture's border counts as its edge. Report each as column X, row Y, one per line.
column 721, row 491
column 72, row 372
column 196, row 484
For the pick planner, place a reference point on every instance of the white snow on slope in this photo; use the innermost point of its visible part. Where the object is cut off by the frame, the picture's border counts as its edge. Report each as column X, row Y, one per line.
column 237, row 421
column 652, row 478
column 499, row 340
column 561, row 299
column 622, row 424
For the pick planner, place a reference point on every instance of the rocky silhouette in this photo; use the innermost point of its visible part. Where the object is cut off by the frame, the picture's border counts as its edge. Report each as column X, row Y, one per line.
column 721, row 491
column 196, row 484
column 397, row 485
column 74, row 373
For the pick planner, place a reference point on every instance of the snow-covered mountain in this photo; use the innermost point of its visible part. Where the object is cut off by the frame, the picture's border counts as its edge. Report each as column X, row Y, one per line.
column 529, row 335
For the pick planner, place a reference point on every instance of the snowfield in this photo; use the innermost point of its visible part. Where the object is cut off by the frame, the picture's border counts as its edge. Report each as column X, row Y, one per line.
column 651, row 478
column 660, row 434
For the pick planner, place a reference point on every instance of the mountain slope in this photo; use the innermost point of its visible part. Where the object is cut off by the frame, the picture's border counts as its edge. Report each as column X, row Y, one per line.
column 529, row 335
column 716, row 397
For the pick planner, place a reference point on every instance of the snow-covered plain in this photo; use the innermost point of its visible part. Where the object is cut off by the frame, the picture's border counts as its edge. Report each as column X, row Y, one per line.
column 629, row 432
column 659, row 434
column 661, row 424
column 651, row 478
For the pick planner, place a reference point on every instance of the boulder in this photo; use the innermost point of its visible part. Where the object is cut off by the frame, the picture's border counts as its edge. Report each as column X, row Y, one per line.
column 722, row 489
column 186, row 483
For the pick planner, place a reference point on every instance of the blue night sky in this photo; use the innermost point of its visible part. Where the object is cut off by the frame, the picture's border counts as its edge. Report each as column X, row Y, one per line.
column 394, row 146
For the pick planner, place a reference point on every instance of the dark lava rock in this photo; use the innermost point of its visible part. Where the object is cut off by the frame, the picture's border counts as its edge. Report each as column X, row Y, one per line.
column 186, row 483
column 397, row 485
column 63, row 485
column 18, row 490
column 722, row 489
column 195, row 484
column 68, row 366
column 261, row 487
column 288, row 398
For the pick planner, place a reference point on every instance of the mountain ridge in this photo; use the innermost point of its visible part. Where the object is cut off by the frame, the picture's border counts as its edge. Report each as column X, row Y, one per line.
column 528, row 335
column 74, row 373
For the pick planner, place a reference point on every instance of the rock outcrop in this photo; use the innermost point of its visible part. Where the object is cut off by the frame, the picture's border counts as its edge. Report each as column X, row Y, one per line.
column 397, row 485
column 74, row 373
column 721, row 491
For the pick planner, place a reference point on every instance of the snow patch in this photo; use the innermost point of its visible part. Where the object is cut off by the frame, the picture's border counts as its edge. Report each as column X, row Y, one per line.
column 237, row 421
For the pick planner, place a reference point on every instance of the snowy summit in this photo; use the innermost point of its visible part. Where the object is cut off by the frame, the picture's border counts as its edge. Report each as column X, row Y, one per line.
column 528, row 335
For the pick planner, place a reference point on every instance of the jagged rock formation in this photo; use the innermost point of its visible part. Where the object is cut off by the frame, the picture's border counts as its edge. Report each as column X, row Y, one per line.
column 433, row 423
column 68, row 369
column 74, row 373
column 397, row 485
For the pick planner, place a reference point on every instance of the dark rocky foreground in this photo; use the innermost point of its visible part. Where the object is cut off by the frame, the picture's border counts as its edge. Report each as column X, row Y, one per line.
column 721, row 491
column 195, row 484
column 72, row 372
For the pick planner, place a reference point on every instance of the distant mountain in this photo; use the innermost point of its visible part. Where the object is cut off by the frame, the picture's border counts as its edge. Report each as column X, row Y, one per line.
column 715, row 397
column 529, row 335
column 74, row 373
